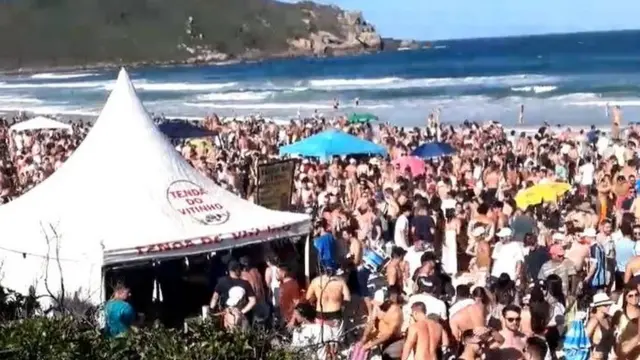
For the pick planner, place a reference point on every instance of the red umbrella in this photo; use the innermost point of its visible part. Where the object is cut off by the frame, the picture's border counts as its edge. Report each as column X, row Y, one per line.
column 414, row 163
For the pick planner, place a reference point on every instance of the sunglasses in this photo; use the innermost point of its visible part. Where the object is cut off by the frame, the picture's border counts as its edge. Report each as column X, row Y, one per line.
column 636, row 233
column 516, row 319
column 632, row 295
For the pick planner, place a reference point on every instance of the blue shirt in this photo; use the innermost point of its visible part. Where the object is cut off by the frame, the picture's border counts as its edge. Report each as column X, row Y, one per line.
column 325, row 245
column 625, row 250
column 119, row 316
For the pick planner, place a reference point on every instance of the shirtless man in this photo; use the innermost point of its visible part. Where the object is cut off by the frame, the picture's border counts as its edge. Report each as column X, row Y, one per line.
column 425, row 336
column 384, row 328
column 514, row 341
column 329, row 293
column 396, row 269
column 469, row 316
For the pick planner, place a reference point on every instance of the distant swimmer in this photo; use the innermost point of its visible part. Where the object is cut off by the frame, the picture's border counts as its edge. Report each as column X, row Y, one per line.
column 616, row 121
column 336, row 104
column 521, row 116
column 356, row 101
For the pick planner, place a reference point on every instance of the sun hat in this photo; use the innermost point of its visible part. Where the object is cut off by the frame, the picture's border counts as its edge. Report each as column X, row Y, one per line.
column 504, row 232
column 589, row 232
column 601, row 299
column 236, row 294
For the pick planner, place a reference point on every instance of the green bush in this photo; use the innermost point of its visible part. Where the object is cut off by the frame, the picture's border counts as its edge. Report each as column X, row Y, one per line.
column 66, row 338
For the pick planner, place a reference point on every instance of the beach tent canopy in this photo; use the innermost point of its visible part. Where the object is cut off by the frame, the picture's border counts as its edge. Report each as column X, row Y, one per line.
column 330, row 143
column 360, row 118
column 40, row 123
column 184, row 130
column 433, row 150
column 107, row 205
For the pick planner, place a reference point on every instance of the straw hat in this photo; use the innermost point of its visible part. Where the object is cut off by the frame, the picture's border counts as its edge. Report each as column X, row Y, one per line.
column 601, row 299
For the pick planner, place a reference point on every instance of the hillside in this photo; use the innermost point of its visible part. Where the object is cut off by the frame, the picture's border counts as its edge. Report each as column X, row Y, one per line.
column 56, row 33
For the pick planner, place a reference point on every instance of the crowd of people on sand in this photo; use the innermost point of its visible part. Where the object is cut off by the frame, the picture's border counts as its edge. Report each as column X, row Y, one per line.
column 470, row 274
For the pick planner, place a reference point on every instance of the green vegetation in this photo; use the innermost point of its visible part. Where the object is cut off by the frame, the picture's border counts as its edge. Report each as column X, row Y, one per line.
column 69, row 339
column 43, row 33
column 24, row 336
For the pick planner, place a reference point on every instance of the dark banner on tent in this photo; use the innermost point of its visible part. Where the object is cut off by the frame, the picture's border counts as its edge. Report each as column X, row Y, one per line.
column 275, row 184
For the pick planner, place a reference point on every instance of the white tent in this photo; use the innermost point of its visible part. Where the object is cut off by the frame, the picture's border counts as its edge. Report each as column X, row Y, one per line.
column 40, row 123
column 124, row 195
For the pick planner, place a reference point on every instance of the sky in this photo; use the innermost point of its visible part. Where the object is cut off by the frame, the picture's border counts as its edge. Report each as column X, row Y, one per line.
column 458, row 19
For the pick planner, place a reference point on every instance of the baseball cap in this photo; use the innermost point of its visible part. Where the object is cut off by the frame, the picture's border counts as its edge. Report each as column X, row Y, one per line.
column 479, row 231
column 236, row 294
column 504, row 232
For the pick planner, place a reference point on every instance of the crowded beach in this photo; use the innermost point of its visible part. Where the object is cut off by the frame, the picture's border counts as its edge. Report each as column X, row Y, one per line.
column 444, row 241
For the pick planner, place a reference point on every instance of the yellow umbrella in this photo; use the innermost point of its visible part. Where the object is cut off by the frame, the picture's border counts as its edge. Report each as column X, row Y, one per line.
column 541, row 193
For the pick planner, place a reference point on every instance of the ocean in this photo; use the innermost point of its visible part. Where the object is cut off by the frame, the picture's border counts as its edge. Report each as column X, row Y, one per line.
column 563, row 79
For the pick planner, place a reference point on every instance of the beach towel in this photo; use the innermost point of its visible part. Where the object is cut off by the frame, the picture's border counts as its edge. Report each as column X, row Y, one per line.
column 358, row 353
column 576, row 342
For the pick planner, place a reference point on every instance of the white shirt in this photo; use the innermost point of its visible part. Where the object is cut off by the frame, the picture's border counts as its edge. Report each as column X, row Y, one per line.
column 434, row 305
column 505, row 257
column 586, row 174
column 401, row 231
column 412, row 257
column 314, row 334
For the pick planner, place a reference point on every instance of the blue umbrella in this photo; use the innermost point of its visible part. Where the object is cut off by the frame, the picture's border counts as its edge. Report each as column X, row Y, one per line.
column 332, row 143
column 184, row 130
column 433, row 150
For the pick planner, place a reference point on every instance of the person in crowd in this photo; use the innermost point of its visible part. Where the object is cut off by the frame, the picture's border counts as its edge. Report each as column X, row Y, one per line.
column 599, row 328
column 625, row 322
column 233, row 318
column 329, row 293
column 535, row 349
column 559, row 266
column 118, row 313
column 466, row 314
column 426, row 294
column 419, row 338
column 397, row 269
column 508, row 256
column 383, row 329
column 289, row 294
column 225, row 284
column 514, row 341
column 472, row 346
column 307, row 335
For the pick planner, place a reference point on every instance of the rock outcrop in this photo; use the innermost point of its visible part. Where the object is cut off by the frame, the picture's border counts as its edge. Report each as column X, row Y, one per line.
column 352, row 35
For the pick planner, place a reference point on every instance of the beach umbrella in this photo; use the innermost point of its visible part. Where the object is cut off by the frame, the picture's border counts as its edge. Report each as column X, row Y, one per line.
column 331, row 143
column 415, row 164
column 539, row 193
column 184, row 130
column 361, row 118
column 433, row 150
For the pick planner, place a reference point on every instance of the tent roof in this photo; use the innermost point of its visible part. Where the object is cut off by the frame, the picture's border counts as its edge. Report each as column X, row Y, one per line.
column 126, row 193
column 183, row 130
column 39, row 122
column 332, row 142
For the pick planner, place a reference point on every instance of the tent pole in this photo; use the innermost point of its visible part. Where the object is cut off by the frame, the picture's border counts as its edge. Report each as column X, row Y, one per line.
column 307, row 255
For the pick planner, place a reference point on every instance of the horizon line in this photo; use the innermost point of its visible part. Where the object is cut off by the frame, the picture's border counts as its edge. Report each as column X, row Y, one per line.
column 520, row 35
